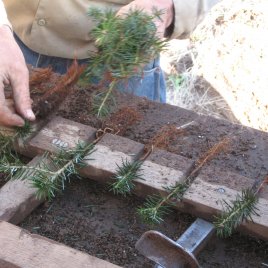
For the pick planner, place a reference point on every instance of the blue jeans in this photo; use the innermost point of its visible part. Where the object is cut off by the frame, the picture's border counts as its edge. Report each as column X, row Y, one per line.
column 150, row 84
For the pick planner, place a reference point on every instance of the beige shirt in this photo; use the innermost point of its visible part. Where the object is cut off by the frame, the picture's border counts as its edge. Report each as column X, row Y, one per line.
column 61, row 28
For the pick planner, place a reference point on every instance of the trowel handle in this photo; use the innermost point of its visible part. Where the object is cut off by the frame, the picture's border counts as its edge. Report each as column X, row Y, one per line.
column 196, row 236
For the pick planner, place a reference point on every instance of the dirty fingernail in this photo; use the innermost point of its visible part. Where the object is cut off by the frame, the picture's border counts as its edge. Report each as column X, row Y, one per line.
column 30, row 115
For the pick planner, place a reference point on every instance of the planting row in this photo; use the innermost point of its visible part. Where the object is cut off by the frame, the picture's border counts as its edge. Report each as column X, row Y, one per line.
column 159, row 172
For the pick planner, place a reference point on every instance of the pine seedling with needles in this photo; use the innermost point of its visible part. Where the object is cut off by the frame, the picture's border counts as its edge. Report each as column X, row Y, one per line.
column 125, row 175
column 64, row 165
column 104, row 101
column 7, row 154
column 156, row 207
column 124, row 45
column 129, row 171
column 236, row 212
column 154, row 211
column 53, row 170
column 22, row 132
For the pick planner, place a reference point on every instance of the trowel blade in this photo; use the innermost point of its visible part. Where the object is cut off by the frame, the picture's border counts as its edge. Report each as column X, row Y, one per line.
column 164, row 251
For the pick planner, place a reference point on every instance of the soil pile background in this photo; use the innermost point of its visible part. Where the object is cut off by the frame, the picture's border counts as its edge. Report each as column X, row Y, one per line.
column 232, row 56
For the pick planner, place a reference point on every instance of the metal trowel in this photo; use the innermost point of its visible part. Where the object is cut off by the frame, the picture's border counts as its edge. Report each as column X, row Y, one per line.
column 180, row 254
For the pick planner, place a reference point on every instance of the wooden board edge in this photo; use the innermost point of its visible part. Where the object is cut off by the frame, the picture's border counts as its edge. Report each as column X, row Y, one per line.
column 21, row 249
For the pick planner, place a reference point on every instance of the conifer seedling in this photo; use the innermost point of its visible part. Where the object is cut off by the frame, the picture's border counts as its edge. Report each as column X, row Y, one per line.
column 155, row 208
column 51, row 173
column 238, row 211
column 124, row 45
column 7, row 154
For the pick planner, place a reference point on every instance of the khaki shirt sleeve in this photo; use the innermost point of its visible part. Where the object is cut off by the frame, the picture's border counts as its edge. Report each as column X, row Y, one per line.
column 188, row 14
column 3, row 15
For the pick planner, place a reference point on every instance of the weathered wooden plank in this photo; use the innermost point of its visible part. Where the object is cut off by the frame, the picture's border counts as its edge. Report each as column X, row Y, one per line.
column 60, row 133
column 18, row 199
column 108, row 154
column 160, row 170
column 21, row 249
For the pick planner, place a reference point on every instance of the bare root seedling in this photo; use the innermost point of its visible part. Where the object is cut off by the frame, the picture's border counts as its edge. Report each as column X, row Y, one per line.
column 122, row 119
column 39, row 76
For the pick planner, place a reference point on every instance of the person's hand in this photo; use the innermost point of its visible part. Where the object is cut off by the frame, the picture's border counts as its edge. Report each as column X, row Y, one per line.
column 13, row 72
column 166, row 6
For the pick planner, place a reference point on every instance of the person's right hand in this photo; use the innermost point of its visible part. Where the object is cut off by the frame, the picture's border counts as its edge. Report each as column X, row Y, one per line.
column 13, row 72
column 165, row 6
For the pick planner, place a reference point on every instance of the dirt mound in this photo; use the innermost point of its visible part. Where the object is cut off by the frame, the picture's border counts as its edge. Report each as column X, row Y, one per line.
column 232, row 56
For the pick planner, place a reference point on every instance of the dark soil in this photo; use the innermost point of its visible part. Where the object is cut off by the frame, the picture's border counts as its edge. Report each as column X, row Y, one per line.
column 91, row 219
column 247, row 154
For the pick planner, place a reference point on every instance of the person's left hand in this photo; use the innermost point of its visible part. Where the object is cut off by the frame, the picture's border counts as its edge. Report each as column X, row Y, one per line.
column 166, row 6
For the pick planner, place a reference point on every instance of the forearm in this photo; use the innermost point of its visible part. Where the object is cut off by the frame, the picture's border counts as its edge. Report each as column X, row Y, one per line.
column 3, row 15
